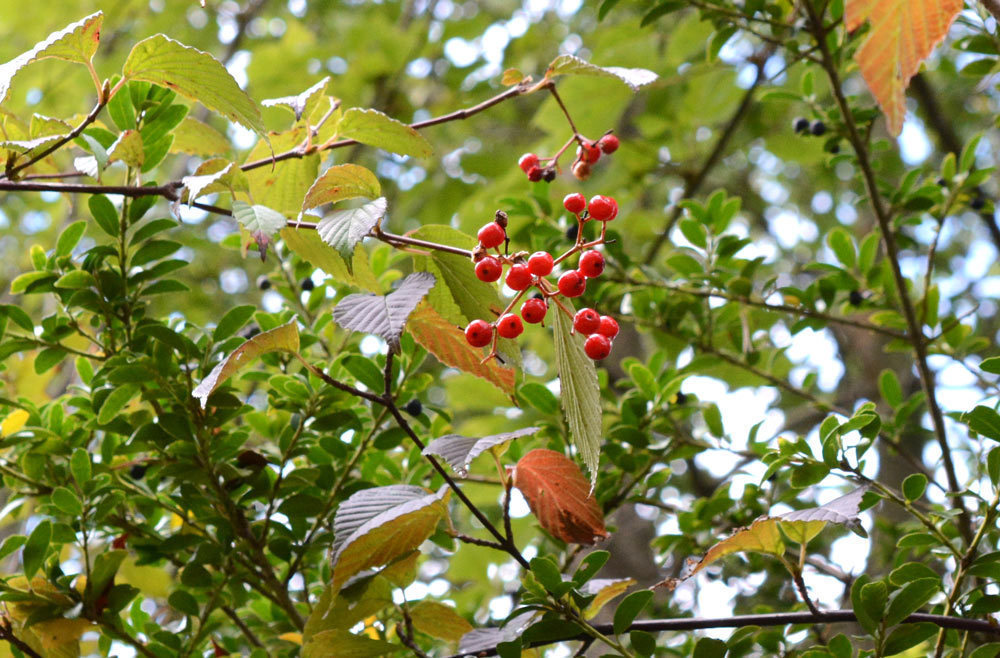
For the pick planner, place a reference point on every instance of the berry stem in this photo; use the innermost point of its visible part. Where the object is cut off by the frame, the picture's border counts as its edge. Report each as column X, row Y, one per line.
column 576, row 133
column 565, row 310
column 555, row 158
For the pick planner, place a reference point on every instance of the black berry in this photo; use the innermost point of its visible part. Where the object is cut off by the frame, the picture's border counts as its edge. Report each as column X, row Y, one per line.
column 818, row 128
column 263, row 282
column 800, row 125
column 307, row 284
column 680, row 398
column 137, row 472
column 942, row 182
column 414, row 407
column 572, row 232
column 978, row 203
column 549, row 174
column 855, row 298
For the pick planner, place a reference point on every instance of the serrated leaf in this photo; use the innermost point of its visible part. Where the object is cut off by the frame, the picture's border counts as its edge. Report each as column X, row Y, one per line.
column 347, row 607
column 346, row 181
column 903, row 33
column 460, row 451
column 193, row 74
column 573, row 65
column 197, row 138
column 77, row 42
column 485, row 639
column 447, row 342
column 842, row 511
column 215, row 175
column 580, row 392
column 261, row 221
column 284, row 338
column 301, row 104
column 376, row 525
column 386, row 315
column 128, row 149
column 344, row 644
column 282, row 185
column 376, row 129
column 311, row 248
column 604, row 590
column 511, row 77
column 439, row 620
column 560, row 496
column 345, row 229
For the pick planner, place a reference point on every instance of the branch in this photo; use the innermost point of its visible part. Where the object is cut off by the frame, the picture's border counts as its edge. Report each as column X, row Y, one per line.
column 916, row 335
column 771, row 619
column 7, row 633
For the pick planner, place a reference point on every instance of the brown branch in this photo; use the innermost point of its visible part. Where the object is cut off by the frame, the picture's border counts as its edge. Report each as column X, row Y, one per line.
column 914, row 330
column 7, row 633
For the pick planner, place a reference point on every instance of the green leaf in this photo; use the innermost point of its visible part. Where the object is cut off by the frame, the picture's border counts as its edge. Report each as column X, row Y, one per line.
column 384, row 315
column 914, row 486
column 48, row 358
column 193, row 74
column 346, row 181
column 991, row 365
column 19, row 317
column 439, row 620
column 66, row 501
column 982, row 420
column 79, row 466
column 580, row 392
column 354, row 603
column 33, row 553
column 546, row 571
column 345, row 229
column 311, row 248
column 873, row 599
column 284, row 338
column 115, row 402
column 539, row 397
column 713, row 419
column 709, row 647
column 70, row 237
column 106, row 565
column 105, row 214
column 182, row 601
column 629, row 609
column 261, row 221
column 22, row 282
column 889, row 386
column 589, row 566
column 908, row 636
column 233, row 321
column 128, row 149
column 76, row 280
column 375, row 526
column 573, row 65
column 344, row 644
column 376, row 129
column 197, row 138
column 910, row 598
column 842, row 246
column 694, row 231
column 282, row 185
column 77, row 42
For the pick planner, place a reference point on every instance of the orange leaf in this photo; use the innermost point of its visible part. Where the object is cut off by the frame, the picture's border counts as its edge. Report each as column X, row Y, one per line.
column 903, row 34
column 559, row 496
column 445, row 341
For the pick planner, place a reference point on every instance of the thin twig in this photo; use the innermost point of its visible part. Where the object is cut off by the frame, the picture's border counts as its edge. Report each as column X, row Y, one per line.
column 73, row 134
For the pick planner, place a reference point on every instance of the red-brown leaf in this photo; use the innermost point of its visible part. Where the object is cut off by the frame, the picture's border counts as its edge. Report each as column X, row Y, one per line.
column 559, row 496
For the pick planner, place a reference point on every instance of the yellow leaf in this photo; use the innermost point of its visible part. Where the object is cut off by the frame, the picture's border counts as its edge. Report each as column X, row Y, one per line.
column 294, row 638
column 439, row 620
column 13, row 423
column 903, row 33
column 605, row 590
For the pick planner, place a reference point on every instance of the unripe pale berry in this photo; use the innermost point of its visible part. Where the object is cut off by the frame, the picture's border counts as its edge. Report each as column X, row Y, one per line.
column 597, row 347
column 586, row 321
column 581, row 170
column 527, row 161
column 533, row 311
column 572, row 284
column 518, row 277
column 479, row 333
column 591, row 264
column 491, row 235
column 602, row 208
column 609, row 327
column 608, row 144
column 574, row 203
column 588, row 153
column 509, row 326
column 540, row 263
column 489, row 269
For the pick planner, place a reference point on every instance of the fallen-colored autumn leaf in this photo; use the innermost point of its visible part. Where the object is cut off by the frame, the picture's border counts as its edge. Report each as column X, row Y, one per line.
column 903, row 33
column 559, row 496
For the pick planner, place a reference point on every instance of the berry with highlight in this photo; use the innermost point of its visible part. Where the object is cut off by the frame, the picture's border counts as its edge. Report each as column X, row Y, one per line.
column 597, row 346
column 609, row 327
column 575, row 203
column 518, row 277
column 540, row 263
column 491, row 235
column 572, row 284
column 509, row 326
column 533, row 311
column 586, row 321
column 479, row 333
column 591, row 264
column 489, row 269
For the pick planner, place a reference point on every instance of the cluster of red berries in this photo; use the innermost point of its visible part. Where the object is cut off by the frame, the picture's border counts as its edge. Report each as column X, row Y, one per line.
column 526, row 271
column 587, row 153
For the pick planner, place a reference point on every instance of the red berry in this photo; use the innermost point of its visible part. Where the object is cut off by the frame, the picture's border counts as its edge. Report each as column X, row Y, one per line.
column 489, row 269
column 518, row 277
column 491, row 235
column 533, row 311
column 575, row 203
column 535, row 174
column 586, row 321
column 588, row 153
column 540, row 263
column 527, row 161
column 591, row 264
column 597, row 346
column 509, row 326
column 602, row 208
column 608, row 144
column 479, row 333
column 609, row 327
column 572, row 284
